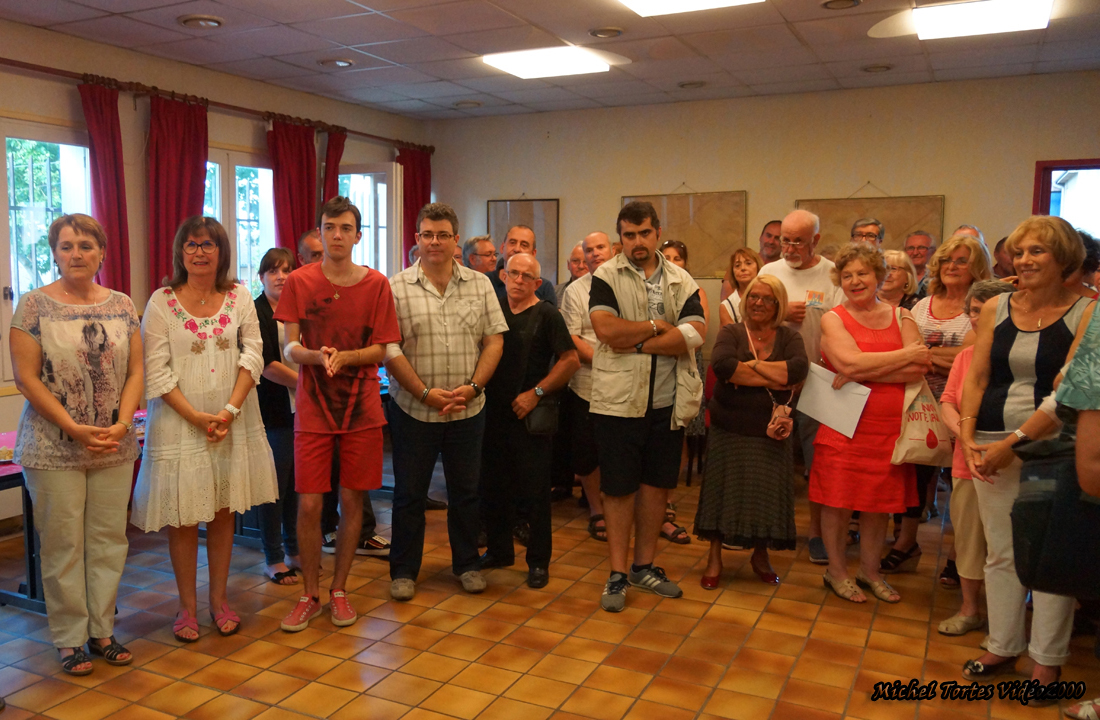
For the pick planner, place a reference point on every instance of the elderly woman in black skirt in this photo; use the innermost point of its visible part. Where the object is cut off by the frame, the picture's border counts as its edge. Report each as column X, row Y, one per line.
column 747, row 498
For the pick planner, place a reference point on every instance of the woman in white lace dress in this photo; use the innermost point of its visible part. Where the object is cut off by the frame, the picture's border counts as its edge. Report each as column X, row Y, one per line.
column 206, row 454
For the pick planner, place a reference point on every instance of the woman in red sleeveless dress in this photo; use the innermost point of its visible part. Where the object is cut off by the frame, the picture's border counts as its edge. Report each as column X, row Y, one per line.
column 870, row 342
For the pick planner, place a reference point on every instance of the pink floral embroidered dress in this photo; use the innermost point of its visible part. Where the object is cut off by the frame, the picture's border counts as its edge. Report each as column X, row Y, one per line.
column 184, row 479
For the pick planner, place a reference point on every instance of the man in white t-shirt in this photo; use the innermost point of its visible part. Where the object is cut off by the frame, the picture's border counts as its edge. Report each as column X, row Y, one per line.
column 807, row 278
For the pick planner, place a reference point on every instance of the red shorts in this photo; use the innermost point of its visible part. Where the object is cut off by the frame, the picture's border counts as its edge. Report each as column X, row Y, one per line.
column 360, row 460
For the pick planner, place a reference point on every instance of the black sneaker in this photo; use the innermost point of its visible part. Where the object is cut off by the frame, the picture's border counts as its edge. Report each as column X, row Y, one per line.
column 614, row 593
column 375, row 546
column 328, row 543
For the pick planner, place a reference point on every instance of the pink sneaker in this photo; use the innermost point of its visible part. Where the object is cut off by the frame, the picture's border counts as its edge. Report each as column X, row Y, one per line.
column 298, row 619
column 343, row 614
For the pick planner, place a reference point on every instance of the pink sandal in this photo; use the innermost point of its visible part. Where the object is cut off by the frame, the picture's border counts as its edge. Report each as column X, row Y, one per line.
column 185, row 621
column 225, row 617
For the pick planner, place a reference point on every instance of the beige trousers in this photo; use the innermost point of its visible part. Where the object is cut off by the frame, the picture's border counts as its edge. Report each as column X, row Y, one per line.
column 80, row 516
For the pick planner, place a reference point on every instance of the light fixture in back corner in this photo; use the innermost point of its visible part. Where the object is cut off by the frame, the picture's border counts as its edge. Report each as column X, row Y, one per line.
column 985, row 17
column 649, row 8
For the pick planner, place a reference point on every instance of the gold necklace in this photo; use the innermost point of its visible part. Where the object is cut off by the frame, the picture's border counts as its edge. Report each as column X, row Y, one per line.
column 335, row 292
column 202, row 300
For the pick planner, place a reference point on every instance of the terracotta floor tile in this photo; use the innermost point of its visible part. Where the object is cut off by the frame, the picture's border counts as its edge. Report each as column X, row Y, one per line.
column 457, row 701
column 269, row 687
column 396, row 611
column 440, row 620
column 179, row 698
column 318, row 699
column 44, row 695
column 720, row 652
column 341, row 646
column 693, row 670
column 844, row 616
column 262, row 654
column 773, row 641
column 13, row 679
column 485, row 678
column 824, row 672
column 860, row 706
column 727, row 704
column 815, row 695
column 375, row 708
column 135, row 712
column 791, row 608
column 831, row 652
column 787, row 711
column 643, row 661
column 843, row 634
column 461, row 647
column 371, row 628
column 554, row 622
column 399, row 687
column 753, row 682
column 900, row 626
column 675, row 693
column 542, row 641
column 419, row 638
column 434, row 667
column 898, row 644
column 386, row 655
column 223, row 675
column 511, row 657
column 618, row 680
column 768, row 662
column 180, row 663
column 645, row 710
column 583, row 649
column 504, row 612
column 580, row 607
column 465, row 604
column 733, row 615
column 659, row 642
column 484, row 628
column 599, row 630
column 303, row 639
column 92, row 705
column 526, row 597
column 671, row 623
column 539, row 691
column 784, row 624
column 276, row 713
column 894, row 664
column 227, row 707
column 505, row 709
column 591, row 703
column 134, row 685
column 557, row 667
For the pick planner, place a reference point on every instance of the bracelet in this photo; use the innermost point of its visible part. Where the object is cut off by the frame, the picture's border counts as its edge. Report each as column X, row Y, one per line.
column 129, row 426
column 234, row 411
column 424, row 395
column 654, row 327
column 968, row 417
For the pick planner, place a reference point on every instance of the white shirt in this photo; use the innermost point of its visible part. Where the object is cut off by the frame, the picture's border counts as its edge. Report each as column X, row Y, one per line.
column 574, row 307
column 814, row 287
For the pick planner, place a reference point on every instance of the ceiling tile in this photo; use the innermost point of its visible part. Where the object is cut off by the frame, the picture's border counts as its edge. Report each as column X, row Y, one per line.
column 261, row 69
column 854, row 68
column 713, row 80
column 682, row 68
column 416, row 50
column 311, row 60
column 125, row 6
column 803, row 86
column 339, row 82
column 360, row 29
column 275, row 40
column 636, row 100
column 841, row 29
column 391, row 75
column 740, row 16
column 465, row 69
column 489, row 110
column 869, row 48
column 989, row 56
column 615, row 74
column 765, row 59
column 291, row 11
column 457, row 17
column 1067, row 65
column 425, row 90
column 555, row 105
column 501, row 83
column 600, row 91
column 1074, row 8
column 798, row 10
column 711, row 93
column 720, row 43
column 795, row 73
column 119, row 30
column 370, row 95
column 882, row 79
column 1075, row 50
column 660, row 48
column 1074, row 28
column 406, row 106
column 385, row 6
column 440, row 114
column 46, row 13
column 1000, row 40
column 572, row 19
column 199, row 51
column 987, row 71
column 505, row 40
column 235, row 20
column 546, row 94
column 483, row 98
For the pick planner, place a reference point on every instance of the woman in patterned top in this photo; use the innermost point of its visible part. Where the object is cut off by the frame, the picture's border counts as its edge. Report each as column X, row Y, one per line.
column 77, row 360
column 206, row 454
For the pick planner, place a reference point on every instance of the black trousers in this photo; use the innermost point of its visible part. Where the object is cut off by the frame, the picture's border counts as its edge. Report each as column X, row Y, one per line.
column 515, row 471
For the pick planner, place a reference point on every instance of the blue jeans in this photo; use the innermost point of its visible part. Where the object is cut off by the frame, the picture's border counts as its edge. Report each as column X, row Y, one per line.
column 279, row 519
column 416, row 447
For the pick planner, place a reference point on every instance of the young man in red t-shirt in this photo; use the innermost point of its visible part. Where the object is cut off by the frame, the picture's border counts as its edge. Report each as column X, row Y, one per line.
column 338, row 318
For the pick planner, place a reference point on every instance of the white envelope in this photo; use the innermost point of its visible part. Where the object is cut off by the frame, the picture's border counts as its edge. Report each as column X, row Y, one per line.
column 839, row 409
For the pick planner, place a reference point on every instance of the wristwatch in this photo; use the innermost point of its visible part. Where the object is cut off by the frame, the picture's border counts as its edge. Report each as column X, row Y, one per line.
column 476, row 387
column 638, row 347
column 539, row 392
column 1021, row 436
column 234, row 411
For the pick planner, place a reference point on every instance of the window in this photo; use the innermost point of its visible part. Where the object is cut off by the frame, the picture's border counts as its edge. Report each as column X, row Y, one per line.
column 45, row 180
column 368, row 192
column 255, row 222
column 212, row 198
column 1068, row 189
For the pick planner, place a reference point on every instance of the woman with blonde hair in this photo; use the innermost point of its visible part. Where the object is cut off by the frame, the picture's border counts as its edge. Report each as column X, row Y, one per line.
column 900, row 286
column 1023, row 341
column 745, row 264
column 867, row 341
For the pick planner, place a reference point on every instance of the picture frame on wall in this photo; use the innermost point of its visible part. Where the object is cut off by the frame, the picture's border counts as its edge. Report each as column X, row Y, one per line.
column 541, row 215
column 711, row 224
column 899, row 215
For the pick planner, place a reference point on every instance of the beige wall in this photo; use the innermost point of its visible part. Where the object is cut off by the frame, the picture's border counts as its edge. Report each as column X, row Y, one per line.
column 975, row 142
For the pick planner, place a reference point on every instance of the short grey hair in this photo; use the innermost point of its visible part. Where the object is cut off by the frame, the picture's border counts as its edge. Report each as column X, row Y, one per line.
column 534, row 260
column 985, row 290
column 970, row 227
column 869, row 221
column 921, row 233
column 470, row 246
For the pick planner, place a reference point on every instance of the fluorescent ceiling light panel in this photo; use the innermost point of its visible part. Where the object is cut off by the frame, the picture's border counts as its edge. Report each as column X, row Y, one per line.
column 981, row 18
column 548, row 62
column 649, row 8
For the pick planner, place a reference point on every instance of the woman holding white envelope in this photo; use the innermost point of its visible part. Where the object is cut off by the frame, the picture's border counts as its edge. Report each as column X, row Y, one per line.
column 867, row 341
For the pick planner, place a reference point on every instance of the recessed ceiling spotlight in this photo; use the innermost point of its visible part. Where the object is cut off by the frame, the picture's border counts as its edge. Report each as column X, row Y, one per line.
column 877, row 68
column 840, row 4
column 649, row 8
column 548, row 62
column 691, row 85
column 336, row 63
column 605, row 32
column 466, row 104
column 200, row 22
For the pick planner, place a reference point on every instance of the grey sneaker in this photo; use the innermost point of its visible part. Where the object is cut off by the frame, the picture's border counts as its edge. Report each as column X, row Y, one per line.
column 614, row 593
column 654, row 580
column 473, row 582
column 403, row 589
column 818, row 554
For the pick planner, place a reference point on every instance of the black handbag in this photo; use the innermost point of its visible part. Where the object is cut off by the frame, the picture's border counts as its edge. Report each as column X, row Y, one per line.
column 543, row 419
column 1055, row 525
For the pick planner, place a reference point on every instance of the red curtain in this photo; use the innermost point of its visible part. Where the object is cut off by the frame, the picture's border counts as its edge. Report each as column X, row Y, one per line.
column 177, row 176
column 416, row 166
column 108, row 181
column 294, row 162
column 333, row 152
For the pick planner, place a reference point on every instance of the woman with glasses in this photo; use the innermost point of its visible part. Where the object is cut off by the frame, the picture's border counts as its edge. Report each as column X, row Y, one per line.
column 870, row 342
column 747, row 497
column 745, row 264
column 945, row 328
column 1023, row 341
column 900, row 286
column 206, row 454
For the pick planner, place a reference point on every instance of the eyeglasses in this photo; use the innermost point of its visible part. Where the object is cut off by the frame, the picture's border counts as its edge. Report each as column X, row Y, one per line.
column 957, row 262
column 208, row 247
column 896, row 268
column 797, row 244
column 918, row 248
column 865, row 236
column 516, row 275
column 492, row 254
column 764, row 300
column 441, row 237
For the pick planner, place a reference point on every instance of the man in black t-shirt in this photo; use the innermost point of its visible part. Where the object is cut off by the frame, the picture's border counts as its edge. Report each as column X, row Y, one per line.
column 515, row 464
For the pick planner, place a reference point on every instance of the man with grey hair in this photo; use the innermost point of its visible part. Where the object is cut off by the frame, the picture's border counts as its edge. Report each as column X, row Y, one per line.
column 576, row 268
column 515, row 458
column 479, row 253
column 807, row 278
column 520, row 239
column 868, row 230
column 919, row 246
column 310, row 249
column 969, row 230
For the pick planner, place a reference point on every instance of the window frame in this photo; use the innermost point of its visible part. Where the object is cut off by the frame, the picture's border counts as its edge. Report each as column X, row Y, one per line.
column 228, row 161
column 1044, row 179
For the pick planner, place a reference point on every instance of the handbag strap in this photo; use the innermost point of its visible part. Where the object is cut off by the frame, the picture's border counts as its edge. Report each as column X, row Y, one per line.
column 775, row 403
column 528, row 341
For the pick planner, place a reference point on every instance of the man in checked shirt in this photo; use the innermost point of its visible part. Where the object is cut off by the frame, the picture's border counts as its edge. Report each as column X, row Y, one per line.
column 451, row 329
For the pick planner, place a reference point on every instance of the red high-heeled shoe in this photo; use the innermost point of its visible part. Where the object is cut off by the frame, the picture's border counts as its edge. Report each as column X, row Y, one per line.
column 766, row 576
column 709, row 582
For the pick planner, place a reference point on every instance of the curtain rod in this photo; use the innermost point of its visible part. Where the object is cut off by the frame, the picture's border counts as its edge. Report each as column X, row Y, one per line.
column 140, row 89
